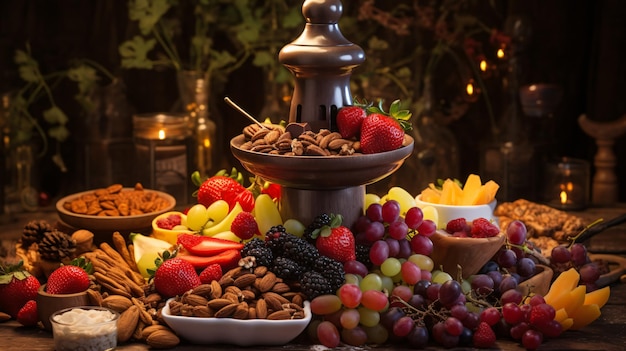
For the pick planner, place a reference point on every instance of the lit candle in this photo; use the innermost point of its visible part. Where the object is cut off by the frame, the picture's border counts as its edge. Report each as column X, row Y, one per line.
column 567, row 184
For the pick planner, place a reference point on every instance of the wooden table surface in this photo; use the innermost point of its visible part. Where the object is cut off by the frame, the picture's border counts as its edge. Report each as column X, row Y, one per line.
column 608, row 333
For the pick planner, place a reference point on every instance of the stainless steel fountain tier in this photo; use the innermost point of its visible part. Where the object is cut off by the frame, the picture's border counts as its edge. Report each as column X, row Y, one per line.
column 321, row 60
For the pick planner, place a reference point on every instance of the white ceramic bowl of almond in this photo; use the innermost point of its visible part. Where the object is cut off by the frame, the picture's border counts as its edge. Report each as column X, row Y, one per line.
column 88, row 328
column 240, row 332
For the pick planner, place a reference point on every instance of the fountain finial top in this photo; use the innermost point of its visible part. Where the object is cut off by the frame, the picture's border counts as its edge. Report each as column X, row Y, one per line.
column 321, row 60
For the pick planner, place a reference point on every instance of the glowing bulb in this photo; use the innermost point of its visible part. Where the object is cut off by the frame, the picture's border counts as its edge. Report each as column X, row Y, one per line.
column 483, row 65
column 161, row 134
column 500, row 53
column 207, row 143
column 469, row 89
column 563, row 196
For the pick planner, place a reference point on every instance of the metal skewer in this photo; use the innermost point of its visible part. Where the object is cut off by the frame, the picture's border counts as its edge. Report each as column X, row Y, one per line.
column 243, row 112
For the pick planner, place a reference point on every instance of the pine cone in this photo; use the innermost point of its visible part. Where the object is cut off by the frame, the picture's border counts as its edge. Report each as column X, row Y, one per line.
column 34, row 231
column 56, row 245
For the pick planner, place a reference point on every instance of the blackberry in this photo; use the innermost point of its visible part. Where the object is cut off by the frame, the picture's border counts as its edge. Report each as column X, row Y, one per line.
column 363, row 255
column 300, row 250
column 257, row 248
column 318, row 222
column 313, row 284
column 286, row 268
column 275, row 238
column 331, row 269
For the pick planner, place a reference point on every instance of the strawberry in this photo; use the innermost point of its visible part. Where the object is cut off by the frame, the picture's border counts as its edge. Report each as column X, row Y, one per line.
column 227, row 259
column 349, row 121
column 67, row 279
column 175, row 276
column 210, row 273
column 484, row 336
column 244, row 226
column 335, row 241
column 17, row 286
column 483, row 228
column 205, row 245
column 383, row 131
column 271, row 189
column 457, row 225
column 219, row 188
column 245, row 199
column 27, row 315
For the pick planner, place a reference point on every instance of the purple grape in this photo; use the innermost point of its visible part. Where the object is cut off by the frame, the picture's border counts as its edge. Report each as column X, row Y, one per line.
column 394, row 247
column 560, row 254
column 390, row 211
column 482, row 283
column 355, row 267
column 361, row 224
column 427, row 228
column 421, row 286
column 379, row 252
column 516, row 232
column 589, row 273
column 449, row 292
column 374, row 212
column 405, row 249
column 579, row 254
column 508, row 282
column 414, row 217
column 421, row 245
column 389, row 317
column 526, row 267
column 453, row 326
column 398, row 229
column 375, row 231
column 507, row 258
column 418, row 337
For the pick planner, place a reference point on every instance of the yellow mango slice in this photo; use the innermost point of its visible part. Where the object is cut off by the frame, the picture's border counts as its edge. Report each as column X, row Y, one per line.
column 584, row 315
column 567, row 323
column 560, row 315
column 431, row 195
column 471, row 190
column 598, row 297
column 451, row 193
column 487, row 193
column 563, row 284
column 574, row 299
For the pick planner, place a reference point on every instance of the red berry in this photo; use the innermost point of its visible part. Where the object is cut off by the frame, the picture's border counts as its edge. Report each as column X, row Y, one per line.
column 27, row 315
column 484, row 336
column 175, row 277
column 380, row 133
column 219, row 188
column 457, row 225
column 349, row 121
column 210, row 273
column 244, row 226
column 17, row 286
column 483, row 228
column 68, row 280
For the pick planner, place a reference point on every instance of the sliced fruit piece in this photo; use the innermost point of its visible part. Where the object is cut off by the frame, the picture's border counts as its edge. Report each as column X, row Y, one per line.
column 560, row 315
column 451, row 193
column 431, row 213
column 571, row 301
column 143, row 244
column 266, row 213
column 224, row 224
column 205, row 245
column 563, row 284
column 471, row 190
column 227, row 259
column 227, row 235
column 487, row 193
column 584, row 315
column 598, row 297
column 147, row 262
column 168, row 225
column 567, row 323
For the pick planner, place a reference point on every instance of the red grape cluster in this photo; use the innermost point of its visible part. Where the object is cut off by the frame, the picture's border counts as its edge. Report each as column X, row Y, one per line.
column 565, row 257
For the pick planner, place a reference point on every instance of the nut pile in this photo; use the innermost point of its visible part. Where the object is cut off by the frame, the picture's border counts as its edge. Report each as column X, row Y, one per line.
column 114, row 200
column 242, row 293
column 279, row 141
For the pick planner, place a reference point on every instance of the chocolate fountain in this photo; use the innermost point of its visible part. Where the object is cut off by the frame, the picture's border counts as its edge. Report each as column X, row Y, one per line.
column 321, row 60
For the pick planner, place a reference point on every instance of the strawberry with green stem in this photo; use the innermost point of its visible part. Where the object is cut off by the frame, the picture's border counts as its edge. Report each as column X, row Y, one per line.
column 384, row 131
column 17, row 286
column 335, row 240
column 174, row 276
column 350, row 119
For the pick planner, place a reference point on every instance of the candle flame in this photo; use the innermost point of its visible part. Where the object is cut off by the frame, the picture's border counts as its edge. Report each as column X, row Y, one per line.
column 161, row 134
column 207, row 143
column 469, row 89
column 483, row 65
column 500, row 53
column 563, row 196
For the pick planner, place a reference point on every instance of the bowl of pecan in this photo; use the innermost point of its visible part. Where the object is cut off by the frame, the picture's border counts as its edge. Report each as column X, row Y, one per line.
column 114, row 208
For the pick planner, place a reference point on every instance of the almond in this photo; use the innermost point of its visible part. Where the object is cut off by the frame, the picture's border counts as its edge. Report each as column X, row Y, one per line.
column 217, row 304
column 245, row 280
column 202, row 311
column 216, row 290
column 267, row 282
column 226, row 311
column 202, row 290
column 282, row 314
column 151, row 329
column 273, row 302
column 117, row 303
column 162, row 339
column 280, row 288
column 241, row 312
column 261, row 308
column 127, row 323
column 195, row 300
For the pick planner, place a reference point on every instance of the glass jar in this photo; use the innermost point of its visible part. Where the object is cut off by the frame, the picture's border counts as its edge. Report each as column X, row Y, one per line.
column 162, row 139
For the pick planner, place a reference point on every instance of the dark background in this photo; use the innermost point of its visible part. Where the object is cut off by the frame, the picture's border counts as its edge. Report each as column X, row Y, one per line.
column 580, row 45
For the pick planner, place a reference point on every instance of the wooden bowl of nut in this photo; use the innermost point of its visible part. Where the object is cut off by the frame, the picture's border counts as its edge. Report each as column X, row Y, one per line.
column 114, row 208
